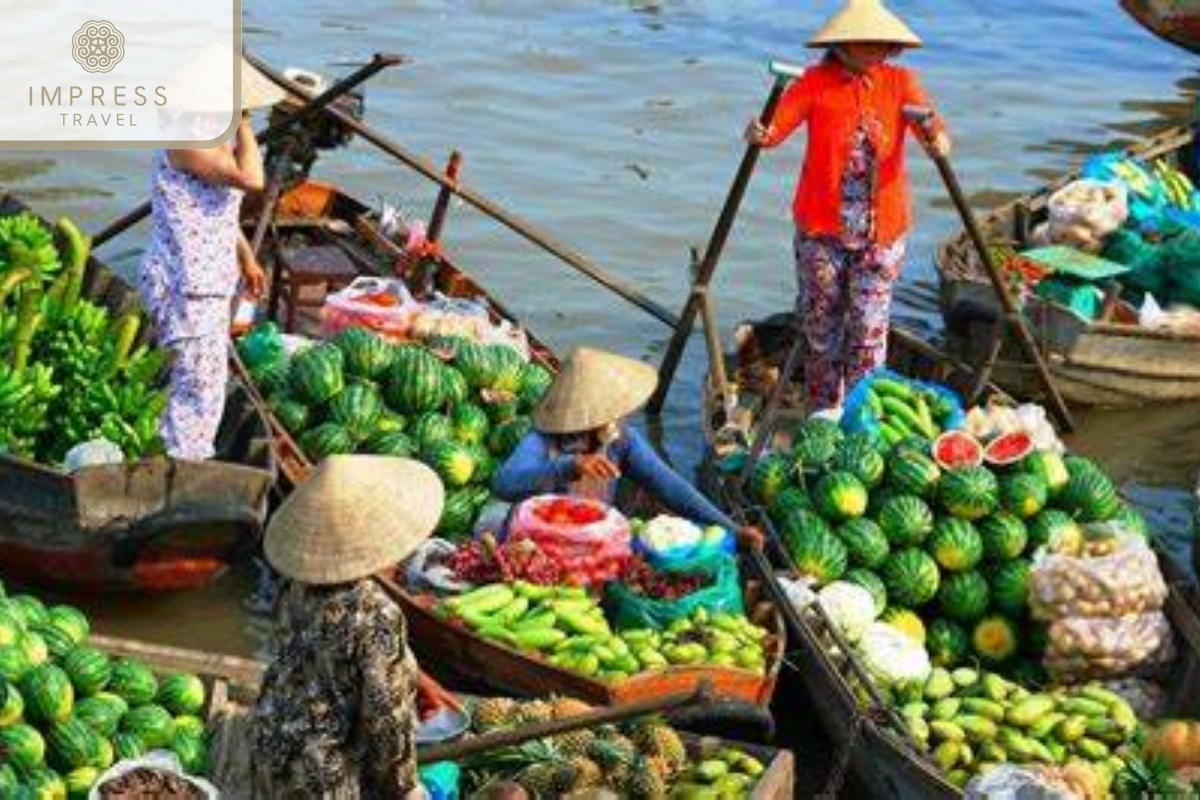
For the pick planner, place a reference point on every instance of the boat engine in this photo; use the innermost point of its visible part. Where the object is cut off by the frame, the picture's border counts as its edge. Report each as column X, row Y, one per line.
column 291, row 156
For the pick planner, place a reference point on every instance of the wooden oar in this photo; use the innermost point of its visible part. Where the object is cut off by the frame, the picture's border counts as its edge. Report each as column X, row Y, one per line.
column 313, row 107
column 716, row 243
column 456, row 751
column 923, row 117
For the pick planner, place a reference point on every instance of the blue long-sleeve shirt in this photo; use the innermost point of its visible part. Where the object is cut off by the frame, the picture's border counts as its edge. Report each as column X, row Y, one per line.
column 532, row 470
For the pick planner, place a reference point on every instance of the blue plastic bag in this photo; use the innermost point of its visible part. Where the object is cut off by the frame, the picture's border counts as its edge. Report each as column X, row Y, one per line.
column 440, row 780
column 722, row 596
column 857, row 416
column 1150, row 206
column 727, row 545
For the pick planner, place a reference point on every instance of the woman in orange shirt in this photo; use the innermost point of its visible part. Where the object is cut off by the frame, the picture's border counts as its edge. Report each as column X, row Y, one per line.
column 852, row 203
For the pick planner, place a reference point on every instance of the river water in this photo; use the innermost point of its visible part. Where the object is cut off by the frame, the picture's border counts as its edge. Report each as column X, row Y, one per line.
column 616, row 126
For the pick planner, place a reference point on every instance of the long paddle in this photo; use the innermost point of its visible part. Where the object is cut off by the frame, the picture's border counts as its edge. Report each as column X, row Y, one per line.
column 716, row 242
column 922, row 117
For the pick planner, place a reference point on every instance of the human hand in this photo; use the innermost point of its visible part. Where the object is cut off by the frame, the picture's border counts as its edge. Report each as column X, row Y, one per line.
column 751, row 538
column 596, row 466
column 254, row 278
column 756, row 133
column 937, row 146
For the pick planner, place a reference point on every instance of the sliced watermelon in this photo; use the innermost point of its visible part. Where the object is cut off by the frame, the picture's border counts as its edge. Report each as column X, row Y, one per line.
column 1009, row 448
column 956, row 450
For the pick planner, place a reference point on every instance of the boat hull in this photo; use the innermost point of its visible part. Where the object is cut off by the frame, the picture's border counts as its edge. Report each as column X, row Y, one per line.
column 1176, row 21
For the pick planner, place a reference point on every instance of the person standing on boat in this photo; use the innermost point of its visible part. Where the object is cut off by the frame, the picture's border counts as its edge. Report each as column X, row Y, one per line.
column 337, row 717
column 191, row 270
column 852, row 205
column 582, row 445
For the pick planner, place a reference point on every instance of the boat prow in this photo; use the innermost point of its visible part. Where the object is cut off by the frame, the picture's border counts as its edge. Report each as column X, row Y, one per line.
column 1175, row 21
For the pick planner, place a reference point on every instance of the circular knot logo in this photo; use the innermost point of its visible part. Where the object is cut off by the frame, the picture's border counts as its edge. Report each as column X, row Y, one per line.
column 98, row 46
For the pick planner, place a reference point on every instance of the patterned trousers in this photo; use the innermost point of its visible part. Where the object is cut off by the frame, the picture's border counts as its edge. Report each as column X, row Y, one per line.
column 199, row 372
column 844, row 305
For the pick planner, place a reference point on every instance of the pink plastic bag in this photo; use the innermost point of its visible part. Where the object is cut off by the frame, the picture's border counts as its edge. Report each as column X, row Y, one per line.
column 592, row 552
column 382, row 305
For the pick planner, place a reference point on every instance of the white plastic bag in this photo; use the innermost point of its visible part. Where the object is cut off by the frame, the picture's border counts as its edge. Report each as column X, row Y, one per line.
column 1010, row 782
column 350, row 308
column 161, row 761
column 92, row 453
column 1084, row 212
column 1124, row 583
column 422, row 575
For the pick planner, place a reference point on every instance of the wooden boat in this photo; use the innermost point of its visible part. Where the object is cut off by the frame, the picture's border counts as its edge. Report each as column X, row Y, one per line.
column 148, row 525
column 1176, row 21
column 1102, row 363
column 507, row 670
column 884, row 759
column 316, row 214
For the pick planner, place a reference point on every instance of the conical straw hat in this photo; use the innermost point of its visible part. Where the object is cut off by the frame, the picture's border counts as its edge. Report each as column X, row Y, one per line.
column 200, row 93
column 865, row 21
column 594, row 389
column 354, row 516
column 258, row 91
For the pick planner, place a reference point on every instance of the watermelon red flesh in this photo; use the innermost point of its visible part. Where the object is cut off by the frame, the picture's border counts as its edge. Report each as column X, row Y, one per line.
column 957, row 449
column 1008, row 448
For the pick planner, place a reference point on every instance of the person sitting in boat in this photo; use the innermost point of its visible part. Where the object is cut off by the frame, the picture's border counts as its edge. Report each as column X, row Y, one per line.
column 582, row 445
column 851, row 206
column 190, row 272
column 336, row 716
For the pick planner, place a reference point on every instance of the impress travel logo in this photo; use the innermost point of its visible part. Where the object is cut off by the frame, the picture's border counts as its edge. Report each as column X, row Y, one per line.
column 127, row 74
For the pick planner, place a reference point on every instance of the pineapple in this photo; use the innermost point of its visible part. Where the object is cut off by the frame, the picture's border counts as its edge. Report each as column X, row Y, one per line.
column 642, row 782
column 587, row 773
column 534, row 711
column 613, row 753
column 660, row 740
column 492, row 713
column 547, row 779
column 575, row 743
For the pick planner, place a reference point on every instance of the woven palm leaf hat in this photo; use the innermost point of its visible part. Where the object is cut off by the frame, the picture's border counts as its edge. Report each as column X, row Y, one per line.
column 865, row 21
column 353, row 517
column 593, row 389
column 201, row 93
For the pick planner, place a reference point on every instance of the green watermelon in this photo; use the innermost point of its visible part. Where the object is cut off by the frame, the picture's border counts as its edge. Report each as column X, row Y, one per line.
column 790, row 499
column 12, row 704
column 878, row 499
column 10, row 784
column 151, row 723
column 80, row 781
column 193, row 755
column 1053, row 525
column 133, row 682
column 44, row 784
column 274, row 376
column 479, row 364
column 819, row 555
column 840, row 496
column 911, row 577
column 100, row 714
column 316, row 373
column 505, row 437
column 397, row 444
column 389, row 422
column 969, row 493
column 535, row 380
column 35, row 647
column 10, row 628
column 71, row 621
column 1010, row 587
column 994, row 639
column 802, row 523
column 509, row 372
column 485, row 464
column 58, row 642
column 963, row 596
column 469, row 424
column 430, row 428
column 906, row 520
column 955, row 544
column 190, row 725
column 452, row 461
column 29, row 610
column 181, row 693
column 815, row 443
column 71, row 744
column 1004, row 536
column 861, row 459
column 293, row 415
column 457, row 390
column 416, row 381
column 1023, row 494
column 1132, row 521
column 49, row 696
column 865, row 541
column 769, row 477
column 327, row 439
column 458, row 515
column 128, row 745
column 1090, row 496
column 913, row 473
column 366, row 355
column 947, row 643
column 872, row 583
column 22, row 747
column 14, row 663
column 357, row 409
column 501, row 410
column 1050, row 467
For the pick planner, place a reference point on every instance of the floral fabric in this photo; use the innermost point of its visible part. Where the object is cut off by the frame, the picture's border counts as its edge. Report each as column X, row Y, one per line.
column 337, row 714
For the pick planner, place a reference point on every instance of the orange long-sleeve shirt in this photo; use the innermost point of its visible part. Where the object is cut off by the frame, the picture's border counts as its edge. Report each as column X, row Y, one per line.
column 834, row 101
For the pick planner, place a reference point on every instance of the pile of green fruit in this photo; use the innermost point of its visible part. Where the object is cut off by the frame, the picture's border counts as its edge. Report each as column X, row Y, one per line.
column 568, row 628
column 944, row 550
column 69, row 372
column 68, row 712
column 642, row 759
column 902, row 409
column 971, row 721
column 459, row 406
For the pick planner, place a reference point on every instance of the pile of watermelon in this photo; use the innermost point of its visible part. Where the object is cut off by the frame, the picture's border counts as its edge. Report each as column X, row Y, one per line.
column 944, row 548
column 68, row 711
column 459, row 406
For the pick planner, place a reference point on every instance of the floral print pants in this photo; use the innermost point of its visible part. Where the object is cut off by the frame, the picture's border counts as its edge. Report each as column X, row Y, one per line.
column 199, row 372
column 844, row 306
